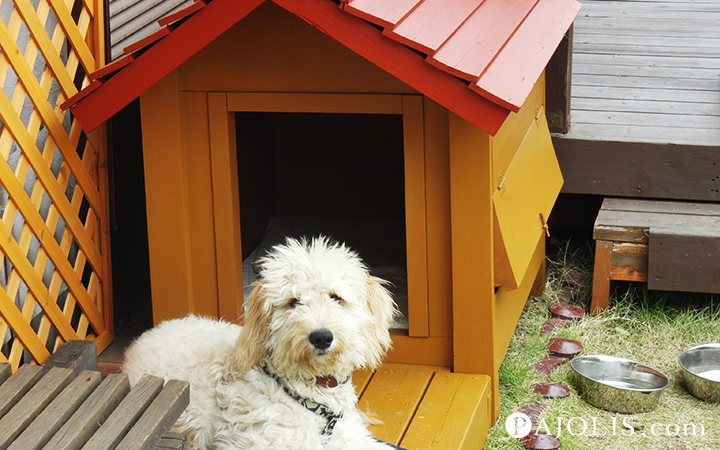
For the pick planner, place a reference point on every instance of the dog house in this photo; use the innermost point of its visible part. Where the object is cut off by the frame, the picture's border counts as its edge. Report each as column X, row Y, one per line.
column 413, row 131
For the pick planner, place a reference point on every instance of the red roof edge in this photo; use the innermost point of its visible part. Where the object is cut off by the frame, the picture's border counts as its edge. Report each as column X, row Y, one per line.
column 160, row 60
column 400, row 61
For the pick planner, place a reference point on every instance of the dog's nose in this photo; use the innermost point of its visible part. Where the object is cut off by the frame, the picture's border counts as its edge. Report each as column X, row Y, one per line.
column 321, row 339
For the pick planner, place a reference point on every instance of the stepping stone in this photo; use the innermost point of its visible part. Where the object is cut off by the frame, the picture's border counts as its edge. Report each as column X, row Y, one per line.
column 565, row 310
column 551, row 325
column 533, row 411
column 540, row 441
column 549, row 363
column 551, row 390
column 565, row 294
column 564, row 347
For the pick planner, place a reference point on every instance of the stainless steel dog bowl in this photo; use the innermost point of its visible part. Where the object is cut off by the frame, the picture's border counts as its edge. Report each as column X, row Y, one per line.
column 701, row 370
column 618, row 384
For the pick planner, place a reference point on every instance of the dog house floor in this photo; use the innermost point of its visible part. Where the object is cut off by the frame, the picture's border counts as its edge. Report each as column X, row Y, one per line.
column 425, row 407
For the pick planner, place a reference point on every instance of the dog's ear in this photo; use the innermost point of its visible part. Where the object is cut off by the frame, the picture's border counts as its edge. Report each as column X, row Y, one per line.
column 251, row 346
column 382, row 307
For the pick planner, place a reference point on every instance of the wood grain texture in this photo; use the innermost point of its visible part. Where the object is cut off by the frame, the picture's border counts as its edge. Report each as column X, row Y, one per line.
column 93, row 412
column 57, row 412
column 127, row 412
column 13, row 389
column 473, row 46
column 32, row 403
column 646, row 71
column 432, row 23
column 684, row 260
column 158, row 417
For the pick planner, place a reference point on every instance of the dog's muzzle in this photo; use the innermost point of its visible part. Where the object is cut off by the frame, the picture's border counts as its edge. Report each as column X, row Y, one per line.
column 321, row 339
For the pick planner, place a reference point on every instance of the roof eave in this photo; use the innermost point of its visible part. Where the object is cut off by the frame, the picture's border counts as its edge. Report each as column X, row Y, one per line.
column 359, row 36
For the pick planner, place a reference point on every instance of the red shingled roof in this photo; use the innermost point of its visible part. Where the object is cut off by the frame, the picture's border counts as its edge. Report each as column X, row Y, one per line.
column 478, row 58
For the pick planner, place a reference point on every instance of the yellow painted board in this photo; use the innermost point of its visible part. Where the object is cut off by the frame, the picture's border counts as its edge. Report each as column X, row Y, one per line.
column 415, row 215
column 454, row 414
column 523, row 201
column 393, row 395
column 360, row 379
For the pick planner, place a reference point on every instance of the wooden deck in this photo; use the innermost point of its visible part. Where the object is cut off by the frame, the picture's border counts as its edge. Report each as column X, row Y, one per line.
column 645, row 78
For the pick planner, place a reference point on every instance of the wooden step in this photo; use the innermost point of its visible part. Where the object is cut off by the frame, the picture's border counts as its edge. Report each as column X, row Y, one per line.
column 426, row 407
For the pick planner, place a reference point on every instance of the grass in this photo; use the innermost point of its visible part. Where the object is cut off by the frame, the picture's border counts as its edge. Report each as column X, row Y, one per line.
column 647, row 326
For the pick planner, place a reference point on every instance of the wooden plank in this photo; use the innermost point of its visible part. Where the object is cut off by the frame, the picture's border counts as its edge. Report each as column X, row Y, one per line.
column 32, row 403
column 13, row 389
column 640, row 106
column 601, row 276
column 361, row 379
column 415, row 216
column 91, row 415
column 632, row 226
column 478, row 41
column 5, row 373
column 385, row 13
column 454, row 414
column 172, row 441
column 315, row 103
column 114, row 429
column 517, row 67
column 658, row 94
column 660, row 206
column 432, row 23
column 394, row 394
column 57, row 412
column 629, row 262
column 226, row 207
column 78, row 356
column 680, row 259
column 613, row 168
column 158, row 418
column 664, row 132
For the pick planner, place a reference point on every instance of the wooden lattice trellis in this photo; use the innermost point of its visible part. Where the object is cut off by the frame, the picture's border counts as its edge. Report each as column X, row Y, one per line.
column 54, row 274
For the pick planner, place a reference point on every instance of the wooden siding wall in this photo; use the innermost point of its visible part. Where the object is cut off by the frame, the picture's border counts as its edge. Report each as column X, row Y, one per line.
column 54, row 278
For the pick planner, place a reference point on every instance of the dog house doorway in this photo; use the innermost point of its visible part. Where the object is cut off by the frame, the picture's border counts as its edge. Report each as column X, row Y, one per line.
column 338, row 174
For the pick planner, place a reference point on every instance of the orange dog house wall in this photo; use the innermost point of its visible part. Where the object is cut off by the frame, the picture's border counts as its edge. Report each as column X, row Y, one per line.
column 478, row 171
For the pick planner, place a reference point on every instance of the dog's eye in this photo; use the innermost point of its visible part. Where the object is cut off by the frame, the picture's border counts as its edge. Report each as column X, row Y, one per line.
column 336, row 298
column 293, row 302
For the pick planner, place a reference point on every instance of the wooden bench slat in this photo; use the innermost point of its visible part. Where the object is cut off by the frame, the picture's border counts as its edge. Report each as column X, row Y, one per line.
column 5, row 372
column 172, row 441
column 32, row 403
column 93, row 412
column 60, row 409
column 126, row 414
column 13, row 389
column 159, row 417
column 452, row 415
column 394, row 394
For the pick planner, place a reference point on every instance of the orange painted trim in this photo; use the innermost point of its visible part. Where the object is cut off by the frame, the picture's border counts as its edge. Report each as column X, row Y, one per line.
column 147, row 41
column 399, row 61
column 112, row 67
column 161, row 59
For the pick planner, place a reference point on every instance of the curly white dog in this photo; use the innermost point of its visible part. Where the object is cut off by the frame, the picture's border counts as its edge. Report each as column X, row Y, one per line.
column 283, row 380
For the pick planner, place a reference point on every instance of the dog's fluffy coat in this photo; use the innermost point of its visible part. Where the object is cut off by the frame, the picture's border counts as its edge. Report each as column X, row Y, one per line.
column 304, row 287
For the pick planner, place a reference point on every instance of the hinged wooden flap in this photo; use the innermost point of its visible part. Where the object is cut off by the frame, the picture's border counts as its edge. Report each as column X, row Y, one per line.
column 523, row 201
